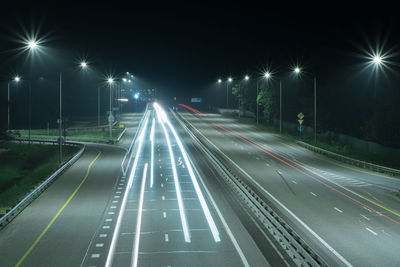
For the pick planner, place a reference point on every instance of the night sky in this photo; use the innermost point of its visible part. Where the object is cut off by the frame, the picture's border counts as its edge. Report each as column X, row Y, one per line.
column 182, row 49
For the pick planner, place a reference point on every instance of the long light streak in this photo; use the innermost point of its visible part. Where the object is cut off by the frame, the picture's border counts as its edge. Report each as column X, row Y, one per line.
column 200, row 196
column 152, row 154
column 139, row 219
column 185, row 227
column 124, row 199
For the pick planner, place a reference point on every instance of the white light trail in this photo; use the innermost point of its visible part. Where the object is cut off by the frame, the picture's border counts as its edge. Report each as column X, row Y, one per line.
column 139, row 219
column 175, row 174
column 152, row 154
column 124, row 199
column 202, row 200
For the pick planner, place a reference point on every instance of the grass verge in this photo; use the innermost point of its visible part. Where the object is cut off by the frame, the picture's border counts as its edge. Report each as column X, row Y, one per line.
column 95, row 134
column 338, row 148
column 24, row 166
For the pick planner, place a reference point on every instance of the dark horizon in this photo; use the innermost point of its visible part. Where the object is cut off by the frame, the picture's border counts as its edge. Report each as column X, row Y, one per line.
column 182, row 51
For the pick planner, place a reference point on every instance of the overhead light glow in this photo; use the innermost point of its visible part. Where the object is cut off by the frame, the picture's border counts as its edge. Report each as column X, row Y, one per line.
column 377, row 60
column 110, row 80
column 297, row 70
column 124, row 79
column 17, row 78
column 219, row 81
column 136, row 96
column 229, row 79
column 123, row 99
column 32, row 44
column 83, row 64
column 267, row 75
column 246, row 77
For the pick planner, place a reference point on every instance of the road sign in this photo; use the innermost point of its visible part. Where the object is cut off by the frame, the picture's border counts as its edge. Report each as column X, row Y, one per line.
column 300, row 122
column 300, row 116
column 300, row 128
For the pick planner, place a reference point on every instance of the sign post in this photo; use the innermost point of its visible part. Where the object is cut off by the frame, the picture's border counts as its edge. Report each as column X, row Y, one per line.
column 300, row 120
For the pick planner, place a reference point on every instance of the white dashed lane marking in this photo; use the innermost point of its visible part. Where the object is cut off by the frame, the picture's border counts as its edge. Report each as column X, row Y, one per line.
column 338, row 210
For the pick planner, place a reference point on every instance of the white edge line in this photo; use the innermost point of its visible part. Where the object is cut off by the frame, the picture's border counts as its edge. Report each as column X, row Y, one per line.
column 222, row 219
column 135, row 251
column 200, row 196
column 123, row 204
column 332, row 250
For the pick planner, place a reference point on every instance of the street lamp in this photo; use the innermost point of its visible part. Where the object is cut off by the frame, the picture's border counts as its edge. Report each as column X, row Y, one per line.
column 376, row 59
column 228, row 81
column 83, row 64
column 110, row 81
column 246, row 78
column 32, row 44
column 16, row 79
column 219, row 81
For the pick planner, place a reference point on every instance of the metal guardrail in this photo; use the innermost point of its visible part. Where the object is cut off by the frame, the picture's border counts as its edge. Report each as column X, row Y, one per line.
column 296, row 248
column 120, row 136
column 356, row 162
column 31, row 196
column 132, row 143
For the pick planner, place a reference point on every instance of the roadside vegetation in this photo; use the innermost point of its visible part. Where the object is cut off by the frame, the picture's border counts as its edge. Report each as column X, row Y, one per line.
column 24, row 166
column 94, row 134
column 325, row 144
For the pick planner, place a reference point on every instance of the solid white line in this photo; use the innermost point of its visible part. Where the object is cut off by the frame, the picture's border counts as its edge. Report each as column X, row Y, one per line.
column 135, row 251
column 372, row 232
column 313, row 194
column 164, row 214
column 125, row 197
column 332, row 250
column 166, row 238
column 338, row 210
column 294, row 182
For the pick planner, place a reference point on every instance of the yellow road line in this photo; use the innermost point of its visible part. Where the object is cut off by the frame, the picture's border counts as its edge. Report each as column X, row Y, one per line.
column 290, row 146
column 383, row 207
column 56, row 216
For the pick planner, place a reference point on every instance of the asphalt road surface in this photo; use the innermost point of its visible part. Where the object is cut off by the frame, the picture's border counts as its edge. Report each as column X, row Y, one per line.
column 350, row 216
column 155, row 211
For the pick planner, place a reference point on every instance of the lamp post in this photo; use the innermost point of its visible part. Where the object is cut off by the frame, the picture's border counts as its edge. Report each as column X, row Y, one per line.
column 16, row 79
column 246, row 78
column 227, row 82
column 297, row 70
column 110, row 81
column 83, row 65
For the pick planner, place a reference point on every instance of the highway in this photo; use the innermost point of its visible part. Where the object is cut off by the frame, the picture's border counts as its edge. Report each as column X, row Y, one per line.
column 157, row 210
column 350, row 216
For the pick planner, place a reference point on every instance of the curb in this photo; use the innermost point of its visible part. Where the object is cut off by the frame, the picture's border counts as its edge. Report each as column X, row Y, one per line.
column 10, row 215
